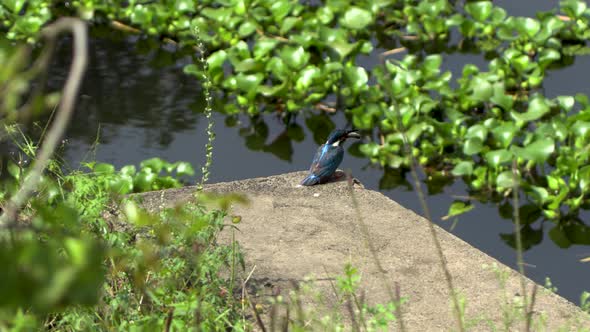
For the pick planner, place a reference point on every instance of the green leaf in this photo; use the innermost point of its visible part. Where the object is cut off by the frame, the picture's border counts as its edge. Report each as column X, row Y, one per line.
column 539, row 195
column 269, row 91
column 356, row 77
column 431, row 63
column 247, row 28
column 505, row 180
column 521, row 63
column 458, row 207
column 573, row 8
column 559, row 129
column 263, row 47
column 472, row 146
column 538, row 151
column 249, row 65
column 14, row 170
column 464, row 168
column 143, row 181
column 548, row 55
column 413, row 134
column 325, row 15
column 280, row 8
column 277, row 67
column 221, row 15
column 239, row 6
column 14, row 5
column 104, row 168
column 294, row 57
column 342, row 47
column 566, row 102
column 154, row 164
column 121, row 185
column 553, row 182
column 128, row 170
column 249, row 83
column 537, row 108
column 479, row 10
column 287, row 24
column 479, row 131
column 500, row 97
column 337, row 40
column 584, row 178
column 581, row 128
column 505, row 133
column 505, row 32
column 136, row 215
column 216, row 59
column 356, row 18
column 184, row 168
column 528, row 25
column 482, row 89
column 184, row 6
column 498, row 157
column 141, row 15
column 306, row 78
column 239, row 51
column 498, row 15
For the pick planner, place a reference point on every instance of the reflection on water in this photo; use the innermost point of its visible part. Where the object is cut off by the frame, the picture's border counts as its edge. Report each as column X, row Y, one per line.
column 136, row 98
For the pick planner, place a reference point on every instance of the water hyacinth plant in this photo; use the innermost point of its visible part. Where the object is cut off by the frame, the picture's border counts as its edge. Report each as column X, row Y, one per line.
column 285, row 56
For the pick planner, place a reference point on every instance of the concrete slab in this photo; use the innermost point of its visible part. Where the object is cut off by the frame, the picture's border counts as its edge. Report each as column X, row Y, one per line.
column 290, row 232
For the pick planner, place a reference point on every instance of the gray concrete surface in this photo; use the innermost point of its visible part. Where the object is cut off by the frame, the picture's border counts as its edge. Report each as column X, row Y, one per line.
column 289, row 233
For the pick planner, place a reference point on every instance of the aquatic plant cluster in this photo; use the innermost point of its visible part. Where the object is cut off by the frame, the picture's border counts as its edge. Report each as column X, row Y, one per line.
column 283, row 52
column 287, row 56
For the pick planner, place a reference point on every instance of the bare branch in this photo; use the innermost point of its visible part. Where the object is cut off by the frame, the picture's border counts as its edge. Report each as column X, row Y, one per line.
column 66, row 107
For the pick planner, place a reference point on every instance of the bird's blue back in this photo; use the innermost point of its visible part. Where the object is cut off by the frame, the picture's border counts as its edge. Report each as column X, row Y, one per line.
column 325, row 162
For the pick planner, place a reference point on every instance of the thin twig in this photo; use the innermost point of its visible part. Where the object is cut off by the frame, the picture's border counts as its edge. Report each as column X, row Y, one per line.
column 355, row 326
column 325, row 108
column 530, row 309
column 393, row 51
column 437, row 245
column 244, row 291
column 248, row 277
column 519, row 250
column 285, row 327
column 279, row 38
column 366, row 237
column 124, row 27
column 338, row 299
column 66, row 107
column 421, row 197
column 409, row 37
column 169, row 320
column 398, row 308
column 258, row 318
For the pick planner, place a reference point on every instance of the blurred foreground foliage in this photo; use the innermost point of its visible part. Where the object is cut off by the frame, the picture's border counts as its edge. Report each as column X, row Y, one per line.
column 71, row 261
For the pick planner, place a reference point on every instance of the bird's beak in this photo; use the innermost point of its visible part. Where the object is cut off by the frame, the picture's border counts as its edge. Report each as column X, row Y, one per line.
column 353, row 134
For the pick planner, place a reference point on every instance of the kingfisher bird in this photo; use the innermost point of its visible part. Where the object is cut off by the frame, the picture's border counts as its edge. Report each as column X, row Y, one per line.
column 328, row 157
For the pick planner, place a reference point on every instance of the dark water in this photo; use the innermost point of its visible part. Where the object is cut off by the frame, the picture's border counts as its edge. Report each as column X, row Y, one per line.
column 136, row 98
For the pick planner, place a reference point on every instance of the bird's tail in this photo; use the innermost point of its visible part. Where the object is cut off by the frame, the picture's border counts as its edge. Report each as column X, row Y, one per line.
column 310, row 180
